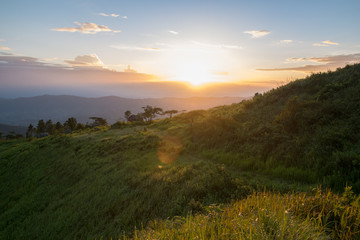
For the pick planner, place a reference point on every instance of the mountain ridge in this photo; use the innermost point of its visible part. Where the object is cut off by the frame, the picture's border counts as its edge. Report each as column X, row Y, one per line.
column 26, row 110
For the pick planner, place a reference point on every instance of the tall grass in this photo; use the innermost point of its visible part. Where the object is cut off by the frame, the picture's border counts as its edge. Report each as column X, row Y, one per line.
column 268, row 215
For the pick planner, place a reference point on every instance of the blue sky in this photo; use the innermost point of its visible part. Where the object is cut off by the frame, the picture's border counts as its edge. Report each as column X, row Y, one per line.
column 247, row 44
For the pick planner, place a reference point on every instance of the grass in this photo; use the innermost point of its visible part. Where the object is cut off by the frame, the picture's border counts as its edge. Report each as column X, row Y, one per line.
column 268, row 215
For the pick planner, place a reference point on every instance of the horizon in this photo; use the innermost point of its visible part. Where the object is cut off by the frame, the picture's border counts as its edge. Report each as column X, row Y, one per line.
column 168, row 49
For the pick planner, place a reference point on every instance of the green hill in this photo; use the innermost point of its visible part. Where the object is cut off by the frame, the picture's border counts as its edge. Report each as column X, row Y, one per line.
column 103, row 184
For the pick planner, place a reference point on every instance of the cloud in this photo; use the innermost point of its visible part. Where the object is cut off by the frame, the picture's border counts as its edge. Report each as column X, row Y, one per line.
column 86, row 61
column 136, row 48
column 2, row 40
column 6, row 54
column 330, row 42
column 326, row 43
column 174, row 32
column 86, row 28
column 11, row 60
column 257, row 34
column 109, row 15
column 217, row 45
column 286, row 41
column 327, row 63
column 296, row 59
column 4, row 48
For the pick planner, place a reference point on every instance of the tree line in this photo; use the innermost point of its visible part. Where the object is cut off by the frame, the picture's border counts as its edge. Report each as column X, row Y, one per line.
column 46, row 128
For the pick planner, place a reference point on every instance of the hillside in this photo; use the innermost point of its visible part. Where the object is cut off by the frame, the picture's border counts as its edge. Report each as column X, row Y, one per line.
column 23, row 111
column 246, row 170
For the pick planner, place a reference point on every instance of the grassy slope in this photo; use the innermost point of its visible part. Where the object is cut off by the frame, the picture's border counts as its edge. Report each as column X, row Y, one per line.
column 102, row 184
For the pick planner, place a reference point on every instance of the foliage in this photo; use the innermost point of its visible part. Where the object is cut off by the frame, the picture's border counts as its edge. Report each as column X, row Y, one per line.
column 98, row 121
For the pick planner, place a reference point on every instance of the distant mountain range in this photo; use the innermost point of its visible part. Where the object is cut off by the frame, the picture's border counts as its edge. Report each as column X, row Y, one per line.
column 23, row 111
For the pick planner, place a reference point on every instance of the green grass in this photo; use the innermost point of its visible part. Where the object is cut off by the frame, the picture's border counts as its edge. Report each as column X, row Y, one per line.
column 268, row 215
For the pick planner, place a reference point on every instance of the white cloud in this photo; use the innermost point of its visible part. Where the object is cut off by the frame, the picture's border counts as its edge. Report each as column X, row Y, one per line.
column 86, row 28
column 286, row 41
column 4, row 48
column 174, row 32
column 86, row 61
column 326, row 43
column 109, row 15
column 330, row 42
column 257, row 34
column 2, row 40
column 124, row 17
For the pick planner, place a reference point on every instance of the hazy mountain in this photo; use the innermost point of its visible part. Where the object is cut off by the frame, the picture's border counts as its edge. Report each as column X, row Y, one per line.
column 5, row 129
column 23, row 111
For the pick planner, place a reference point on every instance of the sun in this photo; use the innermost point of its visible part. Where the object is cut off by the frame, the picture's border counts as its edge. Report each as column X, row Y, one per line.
column 195, row 73
column 196, row 67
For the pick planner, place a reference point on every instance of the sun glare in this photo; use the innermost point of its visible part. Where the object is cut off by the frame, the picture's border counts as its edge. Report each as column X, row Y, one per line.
column 196, row 74
column 196, row 66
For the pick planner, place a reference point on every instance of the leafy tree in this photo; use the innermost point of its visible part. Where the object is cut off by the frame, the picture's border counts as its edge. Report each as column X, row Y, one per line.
column 127, row 114
column 150, row 112
column 71, row 123
column 171, row 112
column 30, row 131
column 59, row 127
column 98, row 121
column 41, row 127
column 80, row 126
column 50, row 127
column 1, row 135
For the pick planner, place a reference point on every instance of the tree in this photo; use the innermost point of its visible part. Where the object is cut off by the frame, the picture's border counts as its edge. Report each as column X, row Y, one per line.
column 71, row 123
column 80, row 126
column 127, row 115
column 171, row 112
column 41, row 127
column 50, row 127
column 59, row 127
column 98, row 121
column 1, row 136
column 150, row 112
column 30, row 131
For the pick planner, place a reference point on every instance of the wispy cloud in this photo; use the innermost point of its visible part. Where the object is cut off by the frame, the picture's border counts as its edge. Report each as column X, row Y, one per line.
column 86, row 28
column 112, row 15
column 326, row 43
column 4, row 48
column 326, row 63
column 286, row 41
column 136, row 48
column 296, row 60
column 257, row 33
column 2, row 40
column 173, row 32
column 109, row 15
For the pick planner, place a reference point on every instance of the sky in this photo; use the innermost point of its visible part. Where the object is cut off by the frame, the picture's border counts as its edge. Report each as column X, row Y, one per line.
column 156, row 48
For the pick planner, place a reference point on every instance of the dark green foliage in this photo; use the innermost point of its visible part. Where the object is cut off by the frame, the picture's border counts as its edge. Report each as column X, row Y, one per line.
column 71, row 123
column 150, row 112
column 41, row 127
column 98, row 121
